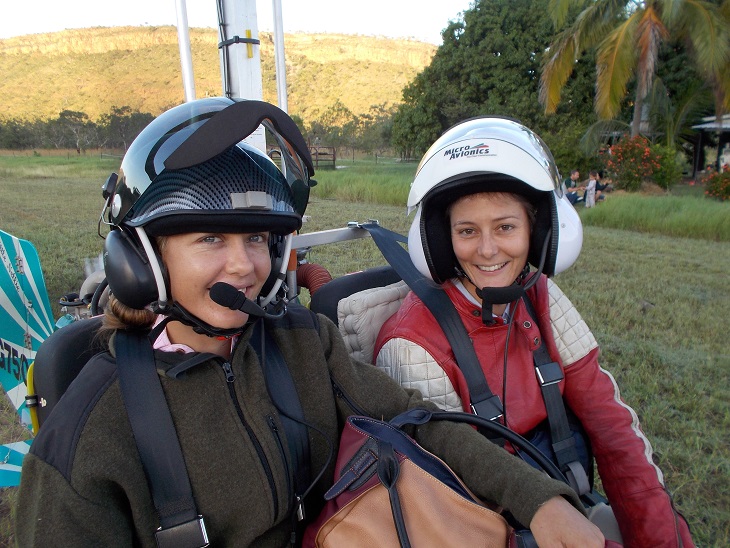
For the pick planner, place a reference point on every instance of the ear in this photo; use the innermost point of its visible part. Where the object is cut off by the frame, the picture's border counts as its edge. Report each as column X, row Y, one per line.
column 128, row 271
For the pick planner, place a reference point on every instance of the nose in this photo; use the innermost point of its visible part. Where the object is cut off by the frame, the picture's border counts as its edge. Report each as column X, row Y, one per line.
column 487, row 245
column 239, row 262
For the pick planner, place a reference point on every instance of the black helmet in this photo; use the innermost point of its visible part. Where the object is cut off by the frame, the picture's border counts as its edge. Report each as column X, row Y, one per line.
column 189, row 171
column 165, row 182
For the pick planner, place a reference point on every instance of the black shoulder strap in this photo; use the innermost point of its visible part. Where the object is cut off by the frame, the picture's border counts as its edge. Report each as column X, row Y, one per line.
column 549, row 374
column 483, row 402
column 283, row 393
column 157, row 443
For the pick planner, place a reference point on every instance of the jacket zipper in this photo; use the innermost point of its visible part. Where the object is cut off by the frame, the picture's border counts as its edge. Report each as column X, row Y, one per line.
column 230, row 378
column 282, row 452
column 343, row 396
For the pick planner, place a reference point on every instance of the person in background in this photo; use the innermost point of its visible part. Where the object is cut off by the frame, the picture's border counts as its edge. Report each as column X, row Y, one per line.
column 602, row 187
column 488, row 205
column 189, row 212
column 589, row 197
column 571, row 186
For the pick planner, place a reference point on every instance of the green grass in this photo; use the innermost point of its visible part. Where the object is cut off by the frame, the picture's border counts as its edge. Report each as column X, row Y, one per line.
column 385, row 182
column 682, row 216
column 651, row 283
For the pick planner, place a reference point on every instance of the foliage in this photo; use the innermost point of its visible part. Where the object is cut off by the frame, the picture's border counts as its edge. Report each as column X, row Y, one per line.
column 717, row 184
column 627, row 37
column 631, row 161
column 74, row 130
column 669, row 165
column 94, row 70
column 488, row 64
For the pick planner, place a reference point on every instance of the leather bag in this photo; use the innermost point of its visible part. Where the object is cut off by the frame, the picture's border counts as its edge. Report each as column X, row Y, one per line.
column 390, row 492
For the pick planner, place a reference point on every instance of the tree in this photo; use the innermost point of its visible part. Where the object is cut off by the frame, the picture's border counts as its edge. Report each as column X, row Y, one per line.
column 121, row 126
column 376, row 128
column 75, row 128
column 627, row 36
column 489, row 64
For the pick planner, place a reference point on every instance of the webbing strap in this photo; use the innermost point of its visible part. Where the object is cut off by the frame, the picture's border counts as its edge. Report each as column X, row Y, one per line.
column 483, row 402
column 157, row 443
column 549, row 375
column 283, row 393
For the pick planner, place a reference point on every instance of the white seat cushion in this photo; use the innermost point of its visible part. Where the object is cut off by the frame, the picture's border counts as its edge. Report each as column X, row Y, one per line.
column 361, row 315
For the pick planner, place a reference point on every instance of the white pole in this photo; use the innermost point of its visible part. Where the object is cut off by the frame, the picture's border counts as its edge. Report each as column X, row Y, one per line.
column 279, row 59
column 240, row 56
column 186, row 58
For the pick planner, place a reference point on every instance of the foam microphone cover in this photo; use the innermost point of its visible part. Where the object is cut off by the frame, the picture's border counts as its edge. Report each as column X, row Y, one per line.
column 226, row 295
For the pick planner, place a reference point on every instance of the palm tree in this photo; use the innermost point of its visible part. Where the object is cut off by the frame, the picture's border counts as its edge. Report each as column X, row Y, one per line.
column 627, row 35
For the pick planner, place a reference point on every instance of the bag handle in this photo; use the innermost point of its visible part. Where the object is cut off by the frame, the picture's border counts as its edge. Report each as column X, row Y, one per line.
column 420, row 416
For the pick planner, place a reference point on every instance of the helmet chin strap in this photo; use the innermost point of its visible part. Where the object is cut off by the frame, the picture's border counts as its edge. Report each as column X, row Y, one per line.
column 505, row 295
column 178, row 313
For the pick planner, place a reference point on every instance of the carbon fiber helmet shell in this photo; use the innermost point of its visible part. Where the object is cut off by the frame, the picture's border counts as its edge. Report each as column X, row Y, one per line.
column 150, row 188
column 490, row 154
column 190, row 171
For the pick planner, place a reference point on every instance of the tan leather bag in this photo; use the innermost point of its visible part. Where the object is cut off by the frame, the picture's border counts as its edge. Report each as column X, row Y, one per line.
column 390, row 492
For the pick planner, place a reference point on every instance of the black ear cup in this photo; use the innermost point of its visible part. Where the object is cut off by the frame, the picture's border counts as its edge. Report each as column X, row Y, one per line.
column 546, row 220
column 276, row 251
column 128, row 271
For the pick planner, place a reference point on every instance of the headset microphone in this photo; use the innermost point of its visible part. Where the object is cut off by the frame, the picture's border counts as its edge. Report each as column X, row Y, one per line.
column 226, row 295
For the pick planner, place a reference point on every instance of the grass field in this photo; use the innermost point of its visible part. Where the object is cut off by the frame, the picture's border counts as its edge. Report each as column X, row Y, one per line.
column 653, row 289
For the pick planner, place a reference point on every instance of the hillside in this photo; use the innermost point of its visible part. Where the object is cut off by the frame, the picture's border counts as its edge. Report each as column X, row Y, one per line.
column 92, row 70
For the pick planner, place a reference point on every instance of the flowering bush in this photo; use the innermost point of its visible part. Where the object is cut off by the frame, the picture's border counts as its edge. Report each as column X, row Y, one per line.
column 717, row 185
column 669, row 171
column 630, row 161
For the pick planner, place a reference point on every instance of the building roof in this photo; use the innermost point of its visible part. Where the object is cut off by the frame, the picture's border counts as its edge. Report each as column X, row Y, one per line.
column 710, row 122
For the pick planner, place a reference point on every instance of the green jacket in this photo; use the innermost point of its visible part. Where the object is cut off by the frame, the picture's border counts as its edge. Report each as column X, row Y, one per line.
column 83, row 484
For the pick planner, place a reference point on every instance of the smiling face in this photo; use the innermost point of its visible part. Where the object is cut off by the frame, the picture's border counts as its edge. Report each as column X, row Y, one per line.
column 196, row 261
column 490, row 233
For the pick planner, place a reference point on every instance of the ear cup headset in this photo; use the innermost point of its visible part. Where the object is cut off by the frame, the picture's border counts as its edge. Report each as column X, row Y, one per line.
column 189, row 171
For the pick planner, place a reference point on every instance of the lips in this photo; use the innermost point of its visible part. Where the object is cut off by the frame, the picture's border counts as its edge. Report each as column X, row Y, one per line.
column 491, row 268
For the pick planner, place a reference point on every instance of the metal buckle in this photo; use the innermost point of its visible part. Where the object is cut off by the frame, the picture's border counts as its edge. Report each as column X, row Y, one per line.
column 191, row 534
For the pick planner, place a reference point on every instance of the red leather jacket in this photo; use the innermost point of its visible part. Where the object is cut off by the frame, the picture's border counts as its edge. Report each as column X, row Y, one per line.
column 633, row 483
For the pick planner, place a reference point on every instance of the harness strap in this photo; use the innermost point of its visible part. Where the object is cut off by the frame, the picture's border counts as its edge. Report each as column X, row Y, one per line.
column 159, row 448
column 549, row 375
column 283, row 393
column 483, row 402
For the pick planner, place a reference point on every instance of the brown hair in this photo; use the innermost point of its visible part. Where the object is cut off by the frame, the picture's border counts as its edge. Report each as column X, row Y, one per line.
column 118, row 315
column 530, row 208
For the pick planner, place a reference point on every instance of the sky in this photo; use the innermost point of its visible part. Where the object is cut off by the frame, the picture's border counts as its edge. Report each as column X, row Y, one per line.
column 419, row 19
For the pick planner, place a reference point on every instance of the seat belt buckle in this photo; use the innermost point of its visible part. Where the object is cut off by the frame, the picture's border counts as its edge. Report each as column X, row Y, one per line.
column 191, row 534
column 549, row 373
column 490, row 408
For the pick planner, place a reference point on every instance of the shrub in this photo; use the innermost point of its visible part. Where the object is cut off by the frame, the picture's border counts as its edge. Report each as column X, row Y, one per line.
column 669, row 171
column 717, row 185
column 630, row 161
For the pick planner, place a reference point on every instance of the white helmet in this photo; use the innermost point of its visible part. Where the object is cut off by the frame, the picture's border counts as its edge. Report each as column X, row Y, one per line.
column 490, row 154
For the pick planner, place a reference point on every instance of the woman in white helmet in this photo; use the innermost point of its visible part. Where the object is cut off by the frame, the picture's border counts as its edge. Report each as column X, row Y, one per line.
column 199, row 224
column 489, row 204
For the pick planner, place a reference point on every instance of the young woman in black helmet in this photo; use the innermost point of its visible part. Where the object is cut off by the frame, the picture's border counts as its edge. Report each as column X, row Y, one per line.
column 489, row 203
column 194, row 208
